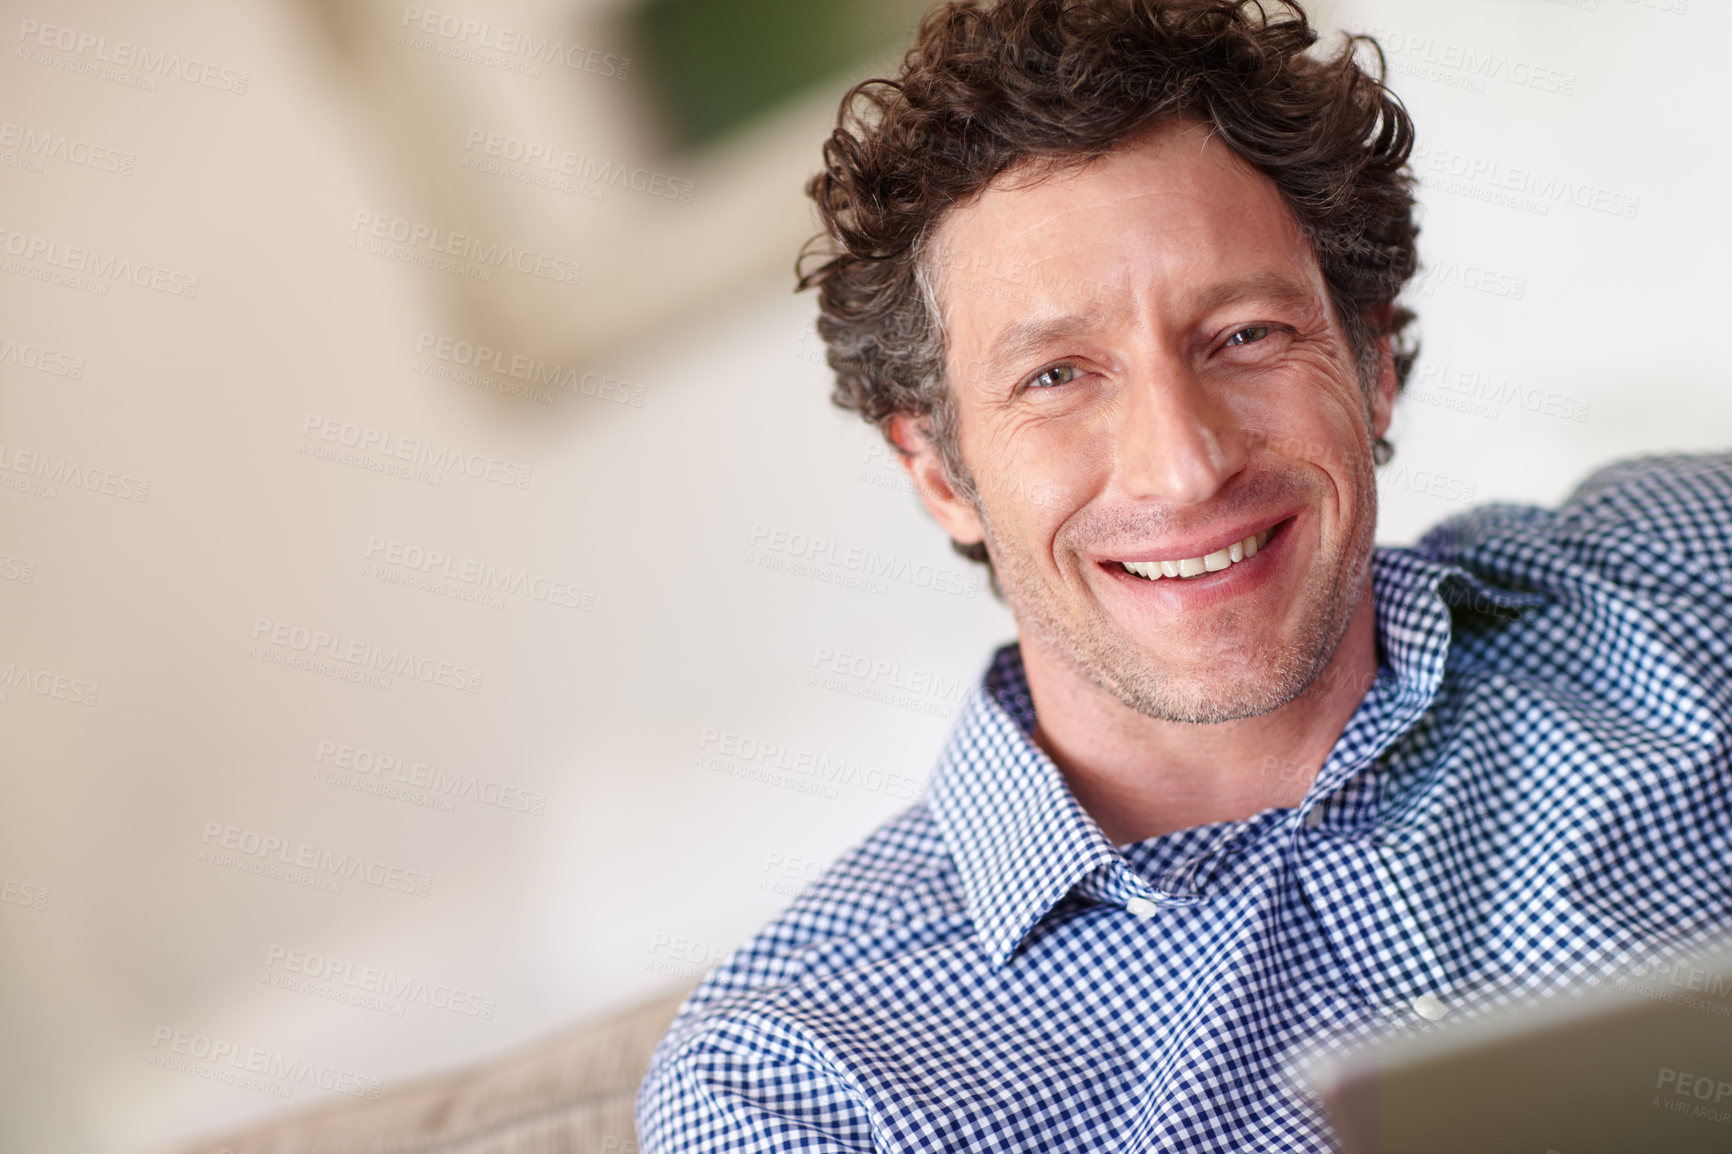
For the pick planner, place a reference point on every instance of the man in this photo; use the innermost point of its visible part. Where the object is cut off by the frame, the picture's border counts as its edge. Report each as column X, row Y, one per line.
column 1118, row 279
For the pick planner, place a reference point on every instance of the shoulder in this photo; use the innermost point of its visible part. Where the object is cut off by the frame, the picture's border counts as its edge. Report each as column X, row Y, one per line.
column 900, row 875
column 1622, row 521
column 1682, row 500
column 742, row 1030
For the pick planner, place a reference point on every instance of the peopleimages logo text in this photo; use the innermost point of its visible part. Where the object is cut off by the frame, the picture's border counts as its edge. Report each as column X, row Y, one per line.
column 509, row 41
column 868, row 563
column 99, row 265
column 65, row 471
column 384, row 443
column 382, row 981
column 462, row 246
column 42, row 360
column 122, row 54
column 251, row 1067
column 44, row 144
column 315, row 859
column 365, row 655
column 481, row 574
column 523, row 367
column 47, row 683
column 368, row 763
column 564, row 162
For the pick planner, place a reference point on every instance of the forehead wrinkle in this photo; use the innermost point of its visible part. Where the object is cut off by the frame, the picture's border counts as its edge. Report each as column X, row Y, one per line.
column 989, row 214
column 1024, row 336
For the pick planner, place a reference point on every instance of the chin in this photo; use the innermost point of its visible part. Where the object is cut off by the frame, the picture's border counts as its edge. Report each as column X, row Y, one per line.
column 1216, row 696
column 1214, row 708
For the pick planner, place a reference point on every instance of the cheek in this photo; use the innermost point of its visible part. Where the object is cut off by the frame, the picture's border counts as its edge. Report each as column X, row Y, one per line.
column 1035, row 505
column 1316, row 420
column 1041, row 474
column 1310, row 399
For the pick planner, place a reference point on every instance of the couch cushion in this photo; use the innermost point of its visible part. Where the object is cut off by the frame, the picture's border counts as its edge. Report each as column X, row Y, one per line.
column 570, row 1094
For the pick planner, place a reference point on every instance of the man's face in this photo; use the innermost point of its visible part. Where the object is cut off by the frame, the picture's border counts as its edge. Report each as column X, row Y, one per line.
column 1146, row 368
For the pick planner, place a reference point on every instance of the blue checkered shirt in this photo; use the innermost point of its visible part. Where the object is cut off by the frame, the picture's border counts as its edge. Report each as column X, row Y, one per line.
column 1533, row 794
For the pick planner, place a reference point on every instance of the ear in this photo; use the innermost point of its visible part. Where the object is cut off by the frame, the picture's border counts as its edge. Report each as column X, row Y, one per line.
column 926, row 469
column 1382, row 399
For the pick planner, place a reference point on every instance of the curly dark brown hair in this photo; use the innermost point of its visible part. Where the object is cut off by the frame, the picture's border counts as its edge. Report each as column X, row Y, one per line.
column 1050, row 84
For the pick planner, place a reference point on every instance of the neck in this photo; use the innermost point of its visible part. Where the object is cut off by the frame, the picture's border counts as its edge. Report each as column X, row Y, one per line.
column 1140, row 776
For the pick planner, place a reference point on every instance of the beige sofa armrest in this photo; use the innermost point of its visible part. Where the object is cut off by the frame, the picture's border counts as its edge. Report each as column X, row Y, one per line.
column 570, row 1094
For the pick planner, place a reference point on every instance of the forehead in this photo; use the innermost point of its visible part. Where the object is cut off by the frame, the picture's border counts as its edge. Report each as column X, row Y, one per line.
column 1154, row 224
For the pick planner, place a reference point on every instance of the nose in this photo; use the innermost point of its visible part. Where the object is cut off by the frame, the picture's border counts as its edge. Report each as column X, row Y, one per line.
column 1175, row 442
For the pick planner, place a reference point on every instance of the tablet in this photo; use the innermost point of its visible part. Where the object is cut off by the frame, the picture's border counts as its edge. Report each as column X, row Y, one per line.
column 1639, row 1065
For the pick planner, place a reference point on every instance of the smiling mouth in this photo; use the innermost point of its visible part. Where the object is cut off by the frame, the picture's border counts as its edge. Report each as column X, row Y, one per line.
column 1187, row 567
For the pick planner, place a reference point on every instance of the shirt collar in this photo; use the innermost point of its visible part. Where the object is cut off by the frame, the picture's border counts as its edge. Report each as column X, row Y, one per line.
column 1021, row 841
column 1018, row 836
column 1417, row 599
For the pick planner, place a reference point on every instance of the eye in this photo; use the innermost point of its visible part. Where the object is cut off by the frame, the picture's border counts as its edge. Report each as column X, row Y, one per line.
column 1250, row 334
column 1053, row 375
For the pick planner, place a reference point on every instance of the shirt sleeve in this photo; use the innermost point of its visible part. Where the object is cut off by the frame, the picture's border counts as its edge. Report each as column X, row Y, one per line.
column 740, row 1086
column 1680, row 502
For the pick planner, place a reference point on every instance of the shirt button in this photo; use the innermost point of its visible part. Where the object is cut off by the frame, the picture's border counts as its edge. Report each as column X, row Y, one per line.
column 1314, row 817
column 1142, row 908
column 1429, row 1007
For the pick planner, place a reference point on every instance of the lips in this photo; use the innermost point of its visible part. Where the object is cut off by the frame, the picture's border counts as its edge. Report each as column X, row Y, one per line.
column 1183, row 568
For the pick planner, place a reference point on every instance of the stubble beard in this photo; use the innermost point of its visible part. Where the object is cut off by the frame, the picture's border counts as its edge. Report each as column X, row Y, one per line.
column 1101, row 654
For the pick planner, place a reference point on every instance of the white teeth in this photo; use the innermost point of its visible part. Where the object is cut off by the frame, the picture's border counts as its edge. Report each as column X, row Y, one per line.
column 1196, row 566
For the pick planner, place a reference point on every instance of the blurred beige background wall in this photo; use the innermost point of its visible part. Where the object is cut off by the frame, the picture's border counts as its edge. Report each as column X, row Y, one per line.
column 425, row 614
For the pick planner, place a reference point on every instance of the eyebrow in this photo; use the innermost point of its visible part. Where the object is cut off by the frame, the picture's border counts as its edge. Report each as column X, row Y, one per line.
column 1022, row 338
column 1274, row 287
